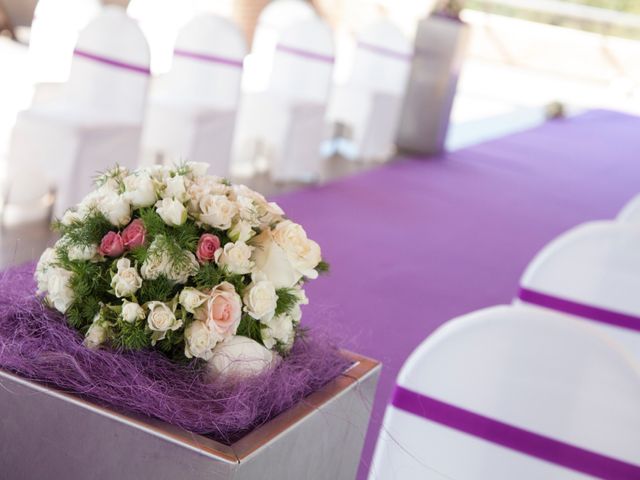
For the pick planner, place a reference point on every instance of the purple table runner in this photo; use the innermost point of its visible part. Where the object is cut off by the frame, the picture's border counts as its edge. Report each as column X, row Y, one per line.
column 418, row 242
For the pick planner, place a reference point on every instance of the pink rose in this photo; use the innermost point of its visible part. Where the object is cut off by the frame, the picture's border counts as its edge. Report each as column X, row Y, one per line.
column 133, row 235
column 207, row 246
column 223, row 310
column 111, row 245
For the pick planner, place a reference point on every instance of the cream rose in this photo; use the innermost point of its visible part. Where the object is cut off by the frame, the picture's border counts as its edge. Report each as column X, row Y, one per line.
column 192, row 299
column 240, row 357
column 140, row 190
column 272, row 260
column 96, row 335
column 217, row 211
column 279, row 330
column 175, row 188
column 115, row 207
column 171, row 211
column 132, row 312
column 83, row 252
column 59, row 289
column 199, row 340
column 260, row 299
column 47, row 259
column 160, row 320
column 126, row 281
column 224, row 310
column 303, row 253
column 236, row 257
column 241, row 231
column 156, row 264
column 180, row 272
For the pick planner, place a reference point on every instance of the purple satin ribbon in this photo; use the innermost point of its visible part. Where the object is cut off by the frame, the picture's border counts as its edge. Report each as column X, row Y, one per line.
column 231, row 62
column 305, row 53
column 384, row 51
column 514, row 438
column 111, row 62
column 589, row 312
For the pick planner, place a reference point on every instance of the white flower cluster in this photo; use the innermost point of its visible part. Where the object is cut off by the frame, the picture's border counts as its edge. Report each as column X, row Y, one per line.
column 175, row 258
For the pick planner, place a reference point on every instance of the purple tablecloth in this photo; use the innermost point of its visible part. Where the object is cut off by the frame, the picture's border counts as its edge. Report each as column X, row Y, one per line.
column 418, row 242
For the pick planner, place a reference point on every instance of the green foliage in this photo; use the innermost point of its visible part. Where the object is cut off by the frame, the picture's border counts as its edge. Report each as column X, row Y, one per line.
column 81, row 312
column 211, row 275
column 322, row 267
column 172, row 346
column 86, row 232
column 287, row 299
column 130, row 336
column 250, row 327
column 161, row 289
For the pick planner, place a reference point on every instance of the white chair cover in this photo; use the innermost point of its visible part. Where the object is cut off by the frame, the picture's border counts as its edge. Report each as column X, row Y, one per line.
column 54, row 33
column 287, row 120
column 193, row 117
column 97, row 120
column 538, row 372
column 631, row 212
column 591, row 272
column 370, row 101
column 161, row 20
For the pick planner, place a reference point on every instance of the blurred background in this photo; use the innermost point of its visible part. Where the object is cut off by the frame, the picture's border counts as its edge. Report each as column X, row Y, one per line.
column 285, row 93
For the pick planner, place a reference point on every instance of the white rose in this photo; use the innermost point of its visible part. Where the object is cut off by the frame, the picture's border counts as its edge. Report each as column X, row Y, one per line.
column 272, row 260
column 171, row 211
column 175, row 188
column 160, row 320
column 155, row 264
column 278, row 330
column 132, row 312
column 59, row 290
column 180, row 272
column 236, row 257
column 303, row 253
column 159, row 173
column 240, row 357
column 83, row 252
column 126, row 281
column 199, row 340
column 260, row 298
column 96, row 335
column 191, row 299
column 217, row 211
column 70, row 216
column 116, row 208
column 140, row 190
column 197, row 169
column 241, row 231
column 47, row 259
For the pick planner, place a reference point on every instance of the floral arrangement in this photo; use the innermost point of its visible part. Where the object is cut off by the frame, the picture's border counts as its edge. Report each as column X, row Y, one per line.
column 182, row 262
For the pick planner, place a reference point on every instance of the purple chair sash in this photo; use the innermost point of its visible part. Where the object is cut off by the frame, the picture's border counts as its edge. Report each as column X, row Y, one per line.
column 112, row 62
column 589, row 312
column 387, row 52
column 514, row 438
column 305, row 54
column 231, row 62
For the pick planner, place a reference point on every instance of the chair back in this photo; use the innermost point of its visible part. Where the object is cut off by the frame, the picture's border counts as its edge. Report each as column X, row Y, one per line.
column 382, row 59
column 54, row 33
column 513, row 392
column 303, row 62
column 593, row 273
column 274, row 18
column 110, row 69
column 630, row 213
column 207, row 63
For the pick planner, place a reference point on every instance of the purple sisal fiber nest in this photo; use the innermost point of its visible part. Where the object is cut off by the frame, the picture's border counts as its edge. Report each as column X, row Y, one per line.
column 36, row 343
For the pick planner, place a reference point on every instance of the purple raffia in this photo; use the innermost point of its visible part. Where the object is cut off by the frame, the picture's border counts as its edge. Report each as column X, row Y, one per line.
column 36, row 343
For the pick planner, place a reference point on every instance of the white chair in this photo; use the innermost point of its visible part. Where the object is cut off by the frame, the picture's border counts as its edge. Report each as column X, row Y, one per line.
column 369, row 102
column 97, row 120
column 513, row 392
column 630, row 213
column 54, row 33
column 160, row 21
column 286, row 122
column 591, row 272
column 193, row 117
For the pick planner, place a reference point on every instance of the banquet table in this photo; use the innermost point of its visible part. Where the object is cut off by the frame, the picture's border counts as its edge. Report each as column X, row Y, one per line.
column 419, row 241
